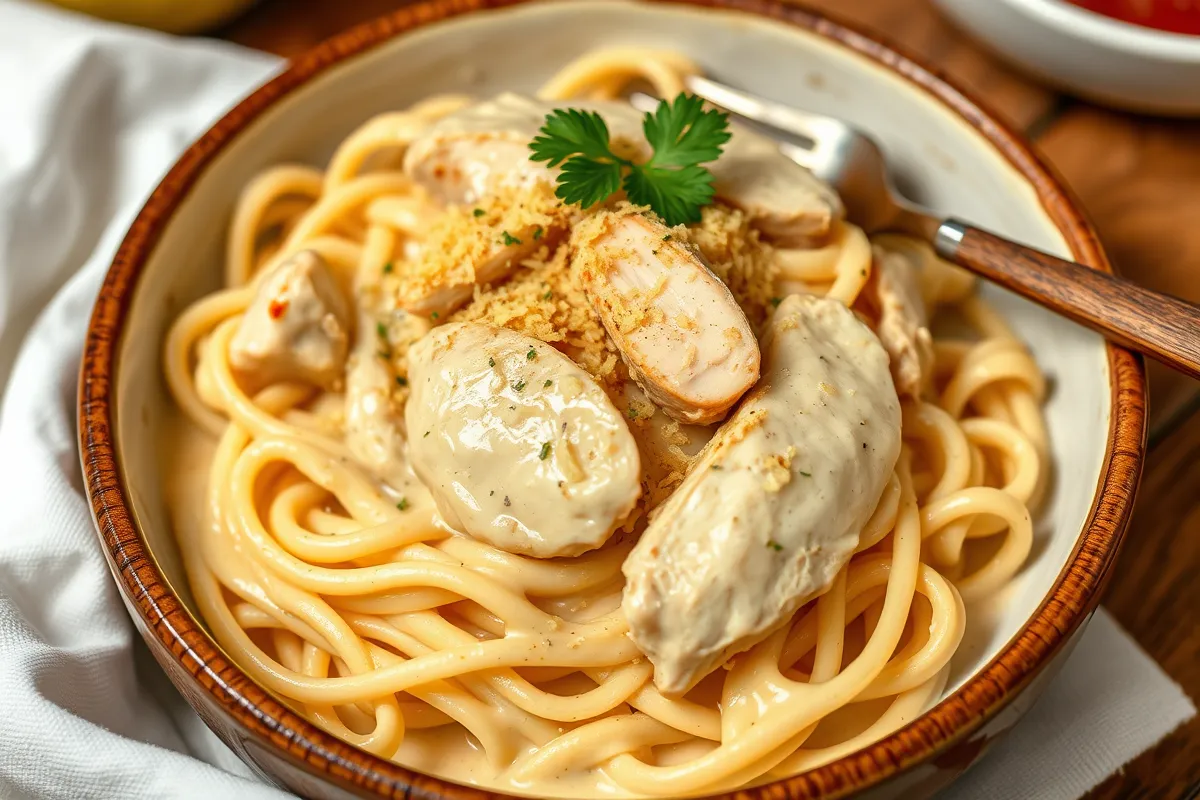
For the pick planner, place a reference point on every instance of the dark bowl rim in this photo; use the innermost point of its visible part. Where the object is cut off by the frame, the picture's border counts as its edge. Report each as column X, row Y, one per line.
column 170, row 628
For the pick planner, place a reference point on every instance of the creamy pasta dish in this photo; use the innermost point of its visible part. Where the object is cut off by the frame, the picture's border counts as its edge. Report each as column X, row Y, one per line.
column 545, row 445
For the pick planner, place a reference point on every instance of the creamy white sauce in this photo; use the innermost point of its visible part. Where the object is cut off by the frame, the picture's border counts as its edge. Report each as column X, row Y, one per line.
column 774, row 506
column 518, row 444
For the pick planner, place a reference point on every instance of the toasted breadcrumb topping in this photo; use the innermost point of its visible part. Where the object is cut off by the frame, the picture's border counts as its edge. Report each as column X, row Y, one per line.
column 545, row 299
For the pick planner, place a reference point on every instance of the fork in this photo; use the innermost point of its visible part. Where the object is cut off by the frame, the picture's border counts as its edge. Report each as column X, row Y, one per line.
column 1158, row 325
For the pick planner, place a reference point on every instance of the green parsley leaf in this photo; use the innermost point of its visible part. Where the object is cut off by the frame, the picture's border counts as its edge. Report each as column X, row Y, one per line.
column 676, row 195
column 545, row 453
column 518, row 386
column 571, row 132
column 546, row 385
column 381, row 330
column 434, row 315
column 682, row 132
column 509, row 239
column 548, row 295
column 491, row 362
column 631, row 412
column 479, row 212
column 531, row 355
column 403, row 504
column 588, row 182
column 774, row 545
column 388, row 267
column 775, row 301
column 806, row 474
column 537, row 233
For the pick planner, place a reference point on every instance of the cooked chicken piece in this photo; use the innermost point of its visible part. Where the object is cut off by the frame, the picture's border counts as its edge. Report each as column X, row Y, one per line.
column 784, row 200
column 374, row 428
column 519, row 446
column 774, row 506
column 683, row 336
column 295, row 328
column 448, row 291
column 940, row 281
column 468, row 155
column 893, row 297
column 666, row 445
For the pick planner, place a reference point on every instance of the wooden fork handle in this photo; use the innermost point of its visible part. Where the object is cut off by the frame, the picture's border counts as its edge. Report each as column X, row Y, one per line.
column 1163, row 327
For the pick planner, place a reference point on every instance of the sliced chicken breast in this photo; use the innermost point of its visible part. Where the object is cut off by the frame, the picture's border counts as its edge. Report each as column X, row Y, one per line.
column 519, row 446
column 438, row 288
column 774, row 506
column 472, row 153
column 784, row 200
column 684, row 338
column 295, row 328
column 894, row 294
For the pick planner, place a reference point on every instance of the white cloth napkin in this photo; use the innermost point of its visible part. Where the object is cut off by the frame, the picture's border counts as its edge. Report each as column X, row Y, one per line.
column 90, row 116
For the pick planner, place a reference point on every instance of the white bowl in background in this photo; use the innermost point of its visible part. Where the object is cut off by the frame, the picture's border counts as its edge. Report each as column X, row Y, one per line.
column 1112, row 62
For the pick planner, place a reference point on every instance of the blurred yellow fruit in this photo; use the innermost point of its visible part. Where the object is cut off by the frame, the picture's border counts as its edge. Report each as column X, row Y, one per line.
column 173, row 16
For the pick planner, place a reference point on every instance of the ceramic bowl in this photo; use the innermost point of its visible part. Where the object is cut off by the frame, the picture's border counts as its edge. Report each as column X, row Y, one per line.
column 1102, row 59
column 953, row 156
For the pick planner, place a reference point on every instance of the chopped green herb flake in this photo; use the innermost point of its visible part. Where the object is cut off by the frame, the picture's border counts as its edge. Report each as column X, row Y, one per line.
column 806, row 474
column 401, row 380
column 631, row 412
column 537, row 233
column 426, row 434
column 775, row 301
column 531, row 355
column 518, row 386
column 388, row 267
column 547, row 383
column 774, row 545
column 434, row 315
column 381, row 329
column 403, row 504
column 479, row 212
column 491, row 362
column 509, row 239
column 545, row 452
column 667, row 238
column 548, row 295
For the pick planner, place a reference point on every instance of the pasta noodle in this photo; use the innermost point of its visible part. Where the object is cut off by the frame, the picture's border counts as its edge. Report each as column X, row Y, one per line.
column 348, row 598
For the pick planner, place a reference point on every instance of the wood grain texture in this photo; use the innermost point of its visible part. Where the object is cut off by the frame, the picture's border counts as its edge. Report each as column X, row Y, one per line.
column 1157, row 325
column 1154, row 594
column 1137, row 179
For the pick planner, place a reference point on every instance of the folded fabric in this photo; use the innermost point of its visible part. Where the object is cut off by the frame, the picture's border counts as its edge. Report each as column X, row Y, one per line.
column 93, row 115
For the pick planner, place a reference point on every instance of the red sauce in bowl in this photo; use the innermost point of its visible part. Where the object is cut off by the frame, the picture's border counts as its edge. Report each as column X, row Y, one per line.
column 1173, row 16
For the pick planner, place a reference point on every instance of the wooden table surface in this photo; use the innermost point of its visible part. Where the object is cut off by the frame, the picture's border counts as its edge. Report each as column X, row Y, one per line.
column 1139, row 178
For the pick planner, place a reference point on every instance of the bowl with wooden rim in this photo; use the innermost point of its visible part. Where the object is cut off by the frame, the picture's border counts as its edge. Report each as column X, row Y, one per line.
column 950, row 152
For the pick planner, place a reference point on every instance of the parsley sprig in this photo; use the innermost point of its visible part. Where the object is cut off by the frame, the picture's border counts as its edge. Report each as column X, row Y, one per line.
column 683, row 135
